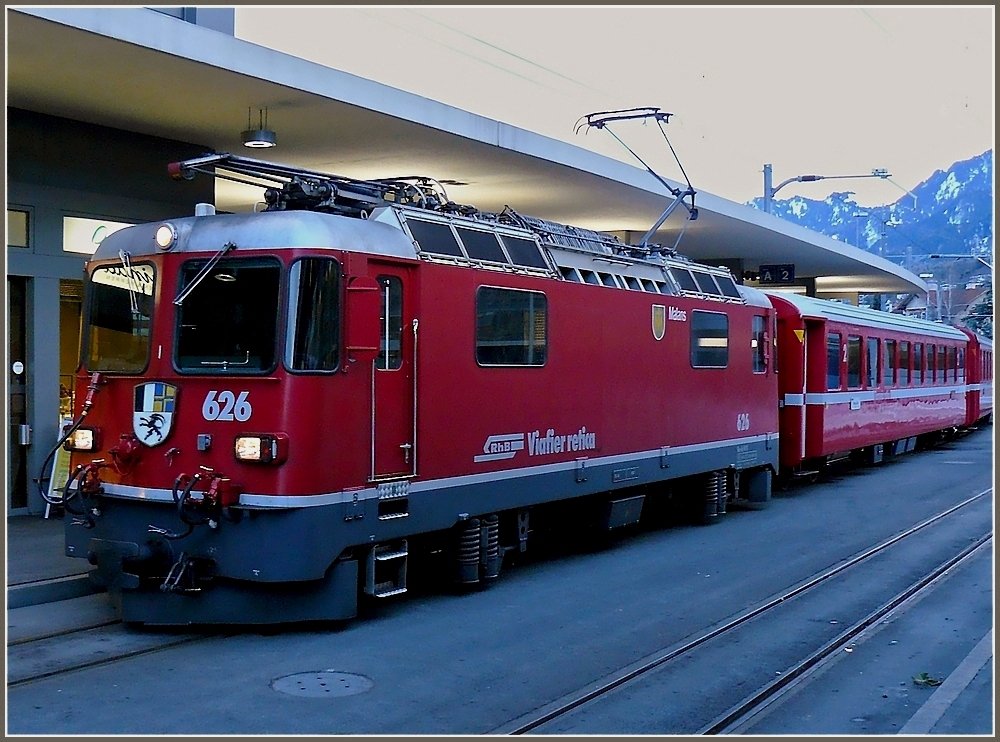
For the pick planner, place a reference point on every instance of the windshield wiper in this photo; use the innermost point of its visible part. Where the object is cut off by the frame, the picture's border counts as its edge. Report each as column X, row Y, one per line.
column 204, row 272
column 131, row 283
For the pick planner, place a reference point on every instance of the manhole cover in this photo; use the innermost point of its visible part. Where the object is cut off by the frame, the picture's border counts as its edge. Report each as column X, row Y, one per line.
column 322, row 684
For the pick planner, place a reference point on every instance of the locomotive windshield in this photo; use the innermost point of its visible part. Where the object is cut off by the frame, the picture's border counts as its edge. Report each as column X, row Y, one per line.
column 118, row 314
column 227, row 321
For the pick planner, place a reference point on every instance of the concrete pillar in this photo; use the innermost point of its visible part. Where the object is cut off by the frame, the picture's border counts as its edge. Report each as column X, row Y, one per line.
column 43, row 379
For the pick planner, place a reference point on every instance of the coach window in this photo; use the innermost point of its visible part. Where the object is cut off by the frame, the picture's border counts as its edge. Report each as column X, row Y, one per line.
column 758, row 344
column 941, row 372
column 872, row 362
column 511, row 327
column 903, row 363
column 918, row 363
column 227, row 321
column 853, row 362
column 951, row 363
column 833, row 355
column 312, row 338
column 960, row 374
column 390, row 350
column 709, row 339
column 889, row 362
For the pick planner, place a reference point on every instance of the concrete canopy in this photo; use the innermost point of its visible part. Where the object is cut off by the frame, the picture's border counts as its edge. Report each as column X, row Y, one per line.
column 142, row 71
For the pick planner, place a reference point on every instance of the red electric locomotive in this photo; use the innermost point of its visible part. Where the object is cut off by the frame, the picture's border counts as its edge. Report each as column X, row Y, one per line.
column 279, row 408
column 857, row 381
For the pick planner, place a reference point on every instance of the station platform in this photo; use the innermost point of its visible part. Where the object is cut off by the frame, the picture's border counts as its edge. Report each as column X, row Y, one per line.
column 38, row 570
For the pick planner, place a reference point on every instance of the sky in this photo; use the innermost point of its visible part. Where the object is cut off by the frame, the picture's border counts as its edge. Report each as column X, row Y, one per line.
column 829, row 91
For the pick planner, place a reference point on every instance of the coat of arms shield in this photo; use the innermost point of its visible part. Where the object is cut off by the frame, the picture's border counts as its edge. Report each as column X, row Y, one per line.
column 659, row 321
column 153, row 411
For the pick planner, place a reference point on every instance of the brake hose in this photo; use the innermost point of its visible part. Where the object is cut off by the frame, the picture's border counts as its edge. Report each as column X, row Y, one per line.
column 92, row 389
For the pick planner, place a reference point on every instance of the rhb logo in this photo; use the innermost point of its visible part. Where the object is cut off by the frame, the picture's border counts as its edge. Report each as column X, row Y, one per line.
column 507, row 446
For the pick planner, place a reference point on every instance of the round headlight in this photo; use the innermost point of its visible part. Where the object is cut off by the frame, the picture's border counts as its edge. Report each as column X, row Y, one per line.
column 166, row 236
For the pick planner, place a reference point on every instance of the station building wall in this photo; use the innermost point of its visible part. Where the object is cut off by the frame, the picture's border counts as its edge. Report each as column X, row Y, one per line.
column 59, row 168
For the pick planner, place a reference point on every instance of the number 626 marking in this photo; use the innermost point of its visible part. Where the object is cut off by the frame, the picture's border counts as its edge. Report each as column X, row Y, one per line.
column 226, row 406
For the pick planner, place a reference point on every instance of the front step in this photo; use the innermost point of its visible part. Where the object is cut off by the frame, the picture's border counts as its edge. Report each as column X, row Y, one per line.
column 386, row 573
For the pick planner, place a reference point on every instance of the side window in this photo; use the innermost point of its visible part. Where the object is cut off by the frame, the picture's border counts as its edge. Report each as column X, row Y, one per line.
column 889, row 363
column 312, row 339
column 833, row 360
column 758, row 344
column 941, row 370
column 511, row 327
column 390, row 320
column 951, row 363
column 709, row 339
column 903, row 363
column 853, row 362
column 961, row 366
column 918, row 363
column 873, row 357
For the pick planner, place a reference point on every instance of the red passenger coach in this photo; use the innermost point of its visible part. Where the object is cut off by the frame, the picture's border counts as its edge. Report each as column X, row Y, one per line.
column 979, row 397
column 854, row 380
column 278, row 409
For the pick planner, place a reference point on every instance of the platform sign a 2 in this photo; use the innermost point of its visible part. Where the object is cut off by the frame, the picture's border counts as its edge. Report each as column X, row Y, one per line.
column 777, row 273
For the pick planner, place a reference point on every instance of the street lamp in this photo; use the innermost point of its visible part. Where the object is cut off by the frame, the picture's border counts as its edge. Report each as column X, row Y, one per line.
column 769, row 191
column 960, row 255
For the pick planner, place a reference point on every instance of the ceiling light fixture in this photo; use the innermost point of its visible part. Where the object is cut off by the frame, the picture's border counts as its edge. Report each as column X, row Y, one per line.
column 261, row 137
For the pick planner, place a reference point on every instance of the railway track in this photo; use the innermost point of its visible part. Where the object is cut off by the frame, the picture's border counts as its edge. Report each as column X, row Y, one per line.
column 738, row 715
column 33, row 660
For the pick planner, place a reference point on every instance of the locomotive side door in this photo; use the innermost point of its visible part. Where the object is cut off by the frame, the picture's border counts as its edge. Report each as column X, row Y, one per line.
column 394, row 377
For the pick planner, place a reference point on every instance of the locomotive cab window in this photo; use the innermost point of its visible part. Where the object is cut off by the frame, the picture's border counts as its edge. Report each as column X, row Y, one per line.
column 511, row 327
column 118, row 318
column 709, row 339
column 228, row 319
column 312, row 340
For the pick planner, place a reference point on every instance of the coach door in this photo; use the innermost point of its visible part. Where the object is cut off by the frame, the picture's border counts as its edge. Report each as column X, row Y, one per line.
column 394, row 443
